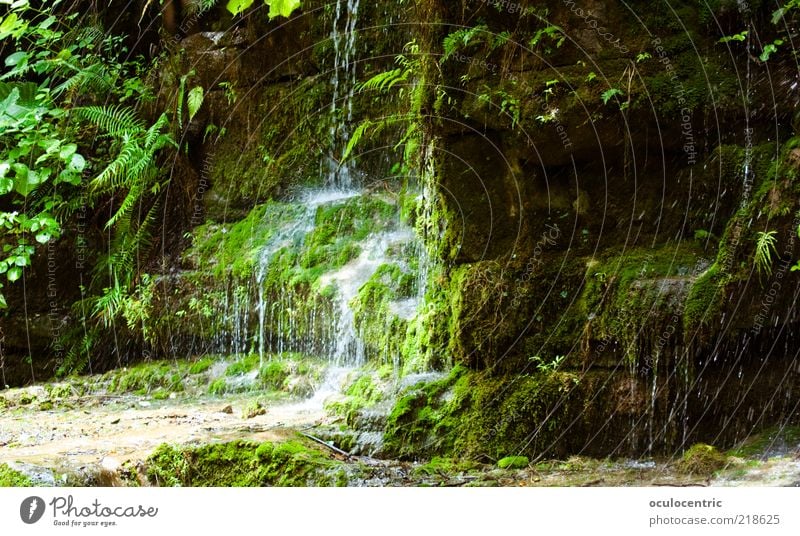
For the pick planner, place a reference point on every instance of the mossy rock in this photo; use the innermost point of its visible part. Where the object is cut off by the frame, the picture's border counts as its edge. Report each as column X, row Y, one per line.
column 513, row 462
column 253, row 409
column 244, row 464
column 702, row 459
column 147, row 378
column 10, row 478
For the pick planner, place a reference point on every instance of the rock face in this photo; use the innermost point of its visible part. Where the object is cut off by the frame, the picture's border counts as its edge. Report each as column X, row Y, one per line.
column 616, row 229
column 593, row 185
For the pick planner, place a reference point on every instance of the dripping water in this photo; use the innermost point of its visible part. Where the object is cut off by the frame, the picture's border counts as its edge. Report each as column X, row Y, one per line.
column 343, row 37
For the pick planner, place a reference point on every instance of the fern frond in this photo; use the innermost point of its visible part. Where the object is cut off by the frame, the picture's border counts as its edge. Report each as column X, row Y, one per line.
column 131, row 199
column 114, row 175
column 358, row 133
column 461, row 39
column 95, row 77
column 385, row 81
column 151, row 139
column 114, row 120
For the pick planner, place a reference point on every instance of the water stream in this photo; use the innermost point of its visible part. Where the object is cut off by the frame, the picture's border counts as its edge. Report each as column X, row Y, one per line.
column 343, row 36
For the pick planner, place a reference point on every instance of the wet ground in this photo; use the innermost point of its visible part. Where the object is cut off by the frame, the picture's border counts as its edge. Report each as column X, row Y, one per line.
column 56, row 440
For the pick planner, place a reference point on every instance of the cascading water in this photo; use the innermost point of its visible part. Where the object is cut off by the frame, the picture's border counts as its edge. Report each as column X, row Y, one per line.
column 319, row 318
column 290, row 234
column 330, row 332
column 349, row 347
column 343, row 37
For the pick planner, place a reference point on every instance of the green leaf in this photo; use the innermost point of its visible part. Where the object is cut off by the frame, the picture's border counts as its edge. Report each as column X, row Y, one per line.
column 9, row 101
column 25, row 180
column 282, row 8
column 67, row 151
column 770, row 49
column 741, row 36
column 8, row 25
column 609, row 94
column 3, row 304
column 237, row 6
column 76, row 163
column 14, row 59
column 14, row 273
column 69, row 177
column 194, row 101
column 43, row 237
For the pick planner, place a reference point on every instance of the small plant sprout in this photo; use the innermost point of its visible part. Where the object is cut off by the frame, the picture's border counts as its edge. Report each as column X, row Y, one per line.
column 765, row 250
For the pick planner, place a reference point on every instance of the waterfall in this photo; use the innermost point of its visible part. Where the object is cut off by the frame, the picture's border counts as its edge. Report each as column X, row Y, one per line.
column 343, row 37
column 290, row 234
column 320, row 318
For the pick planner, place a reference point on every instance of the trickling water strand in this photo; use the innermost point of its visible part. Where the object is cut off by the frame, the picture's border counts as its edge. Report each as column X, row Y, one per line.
column 652, row 410
column 744, row 10
column 343, row 36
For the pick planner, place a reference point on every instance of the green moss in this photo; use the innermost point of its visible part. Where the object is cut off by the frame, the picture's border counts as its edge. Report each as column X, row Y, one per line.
column 702, row 459
column 274, row 374
column 283, row 150
column 420, row 422
column 362, row 393
column 476, row 414
column 760, row 444
column 243, row 365
column 218, row 387
column 235, row 248
column 253, row 409
column 9, row 478
column 242, row 463
column 201, row 365
column 149, row 377
column 703, row 300
column 513, row 462
column 632, row 295
column 444, row 466
column 382, row 331
column 338, row 229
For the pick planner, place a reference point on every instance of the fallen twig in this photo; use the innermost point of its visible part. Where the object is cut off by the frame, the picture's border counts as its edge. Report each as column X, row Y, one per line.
column 325, row 444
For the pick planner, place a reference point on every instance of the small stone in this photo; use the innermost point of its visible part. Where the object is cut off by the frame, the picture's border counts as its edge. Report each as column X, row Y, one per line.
column 227, row 410
column 144, row 403
column 253, row 410
column 110, row 464
column 115, row 421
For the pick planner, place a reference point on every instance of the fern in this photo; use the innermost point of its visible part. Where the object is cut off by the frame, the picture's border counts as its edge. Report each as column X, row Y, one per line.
column 115, row 121
column 500, row 39
column 385, row 81
column 194, row 100
column 765, row 249
column 609, row 94
column 462, row 39
column 358, row 133
column 134, row 174
column 198, row 7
